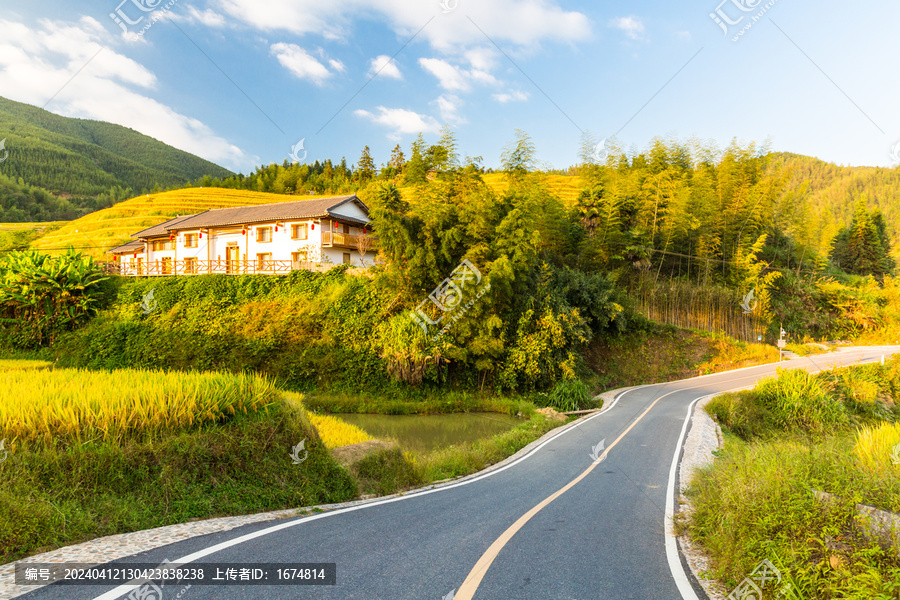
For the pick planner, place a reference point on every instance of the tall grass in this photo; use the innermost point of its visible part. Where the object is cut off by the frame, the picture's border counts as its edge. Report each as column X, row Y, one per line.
column 875, row 447
column 77, row 406
column 799, row 400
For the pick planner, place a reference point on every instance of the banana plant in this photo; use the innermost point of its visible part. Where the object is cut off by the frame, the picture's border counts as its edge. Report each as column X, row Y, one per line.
column 42, row 295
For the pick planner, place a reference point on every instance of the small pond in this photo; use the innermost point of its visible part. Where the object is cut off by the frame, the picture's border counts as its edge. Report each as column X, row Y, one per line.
column 424, row 433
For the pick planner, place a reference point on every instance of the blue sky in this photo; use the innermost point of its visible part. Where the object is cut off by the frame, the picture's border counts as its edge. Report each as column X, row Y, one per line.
column 240, row 82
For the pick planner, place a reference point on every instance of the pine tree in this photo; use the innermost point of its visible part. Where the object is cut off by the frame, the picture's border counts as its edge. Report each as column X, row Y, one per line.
column 365, row 169
column 416, row 170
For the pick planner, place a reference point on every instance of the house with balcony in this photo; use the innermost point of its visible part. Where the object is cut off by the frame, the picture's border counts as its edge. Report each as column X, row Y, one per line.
column 275, row 238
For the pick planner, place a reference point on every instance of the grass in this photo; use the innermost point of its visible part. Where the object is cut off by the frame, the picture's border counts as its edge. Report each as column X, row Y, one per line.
column 790, row 436
column 660, row 353
column 77, row 406
column 806, row 349
column 429, row 404
column 391, row 470
column 233, row 459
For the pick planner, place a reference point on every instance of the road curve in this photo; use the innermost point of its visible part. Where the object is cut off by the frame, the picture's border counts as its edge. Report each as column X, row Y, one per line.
column 556, row 523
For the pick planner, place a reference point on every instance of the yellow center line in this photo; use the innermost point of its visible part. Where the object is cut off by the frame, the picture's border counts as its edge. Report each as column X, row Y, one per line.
column 473, row 579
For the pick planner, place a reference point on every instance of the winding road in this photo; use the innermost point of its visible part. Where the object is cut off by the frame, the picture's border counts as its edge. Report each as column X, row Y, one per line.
column 561, row 521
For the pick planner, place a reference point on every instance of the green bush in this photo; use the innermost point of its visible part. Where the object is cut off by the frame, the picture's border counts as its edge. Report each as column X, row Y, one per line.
column 800, row 401
column 42, row 295
column 568, row 395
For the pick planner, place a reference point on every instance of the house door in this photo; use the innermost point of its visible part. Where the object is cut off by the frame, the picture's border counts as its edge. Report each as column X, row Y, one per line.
column 232, row 255
column 140, row 266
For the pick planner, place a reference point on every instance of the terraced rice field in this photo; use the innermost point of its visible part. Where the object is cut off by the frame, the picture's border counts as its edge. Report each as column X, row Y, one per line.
column 564, row 187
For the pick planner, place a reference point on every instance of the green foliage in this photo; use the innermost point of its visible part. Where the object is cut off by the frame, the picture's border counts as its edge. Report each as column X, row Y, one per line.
column 385, row 472
column 58, row 496
column 863, row 248
column 799, row 401
column 80, row 157
column 569, row 395
column 41, row 296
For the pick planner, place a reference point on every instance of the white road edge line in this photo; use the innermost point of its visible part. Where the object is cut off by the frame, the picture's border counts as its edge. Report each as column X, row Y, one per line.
column 682, row 581
column 119, row 591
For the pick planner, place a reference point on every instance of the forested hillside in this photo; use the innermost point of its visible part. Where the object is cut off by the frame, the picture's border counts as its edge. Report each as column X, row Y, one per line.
column 84, row 159
column 829, row 194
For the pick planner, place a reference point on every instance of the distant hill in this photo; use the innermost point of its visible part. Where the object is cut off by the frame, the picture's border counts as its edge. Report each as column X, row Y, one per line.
column 82, row 158
column 833, row 190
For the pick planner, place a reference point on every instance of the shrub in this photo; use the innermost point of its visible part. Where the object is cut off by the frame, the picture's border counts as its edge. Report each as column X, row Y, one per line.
column 798, row 400
column 568, row 395
column 41, row 295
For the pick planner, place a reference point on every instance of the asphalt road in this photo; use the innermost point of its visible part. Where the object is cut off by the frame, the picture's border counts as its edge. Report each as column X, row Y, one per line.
column 554, row 524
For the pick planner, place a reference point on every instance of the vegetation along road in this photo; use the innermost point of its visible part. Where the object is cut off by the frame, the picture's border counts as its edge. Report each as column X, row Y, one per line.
column 563, row 520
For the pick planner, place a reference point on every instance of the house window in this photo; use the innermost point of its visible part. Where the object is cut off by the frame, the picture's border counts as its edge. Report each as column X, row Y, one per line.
column 159, row 245
column 346, row 258
column 190, row 240
column 346, row 229
column 298, row 231
column 167, row 265
column 298, row 259
column 263, row 234
column 190, row 266
column 264, row 261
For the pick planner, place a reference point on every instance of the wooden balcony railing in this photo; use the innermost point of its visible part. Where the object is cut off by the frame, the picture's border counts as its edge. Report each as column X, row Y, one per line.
column 335, row 239
column 206, row 267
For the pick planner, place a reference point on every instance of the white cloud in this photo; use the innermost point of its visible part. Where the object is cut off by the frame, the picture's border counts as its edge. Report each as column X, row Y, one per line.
column 336, row 65
column 383, row 66
column 454, row 78
column 449, row 105
column 207, row 17
column 524, row 23
column 632, row 26
column 449, row 76
column 400, row 121
column 685, row 36
column 38, row 62
column 302, row 64
column 513, row 96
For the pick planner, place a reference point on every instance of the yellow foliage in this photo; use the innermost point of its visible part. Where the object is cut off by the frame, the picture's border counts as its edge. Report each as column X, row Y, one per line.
column 878, row 448
column 81, row 406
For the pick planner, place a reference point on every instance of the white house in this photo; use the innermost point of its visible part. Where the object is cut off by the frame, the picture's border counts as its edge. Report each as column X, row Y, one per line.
column 267, row 238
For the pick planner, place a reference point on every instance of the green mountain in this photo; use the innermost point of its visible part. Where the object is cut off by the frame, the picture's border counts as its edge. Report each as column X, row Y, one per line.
column 83, row 158
column 829, row 193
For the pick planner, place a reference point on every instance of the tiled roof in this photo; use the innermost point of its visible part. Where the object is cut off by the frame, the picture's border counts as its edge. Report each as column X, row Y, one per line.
column 280, row 211
column 162, row 228
column 133, row 246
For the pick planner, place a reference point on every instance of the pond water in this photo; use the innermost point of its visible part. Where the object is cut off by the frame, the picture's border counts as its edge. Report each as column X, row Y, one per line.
column 424, row 433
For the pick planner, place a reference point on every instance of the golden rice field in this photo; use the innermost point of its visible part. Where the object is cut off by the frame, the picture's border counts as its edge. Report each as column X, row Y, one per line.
column 333, row 431
column 564, row 187
column 99, row 231
column 27, row 365
column 77, row 406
